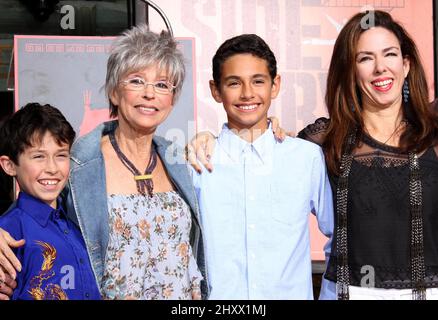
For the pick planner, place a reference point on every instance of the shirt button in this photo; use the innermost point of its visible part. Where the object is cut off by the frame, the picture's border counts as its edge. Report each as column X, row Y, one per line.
column 66, row 232
column 253, row 255
column 254, row 286
column 251, row 198
column 252, row 226
column 87, row 295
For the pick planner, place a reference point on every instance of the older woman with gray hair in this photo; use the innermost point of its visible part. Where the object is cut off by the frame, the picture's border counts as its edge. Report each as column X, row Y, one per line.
column 129, row 190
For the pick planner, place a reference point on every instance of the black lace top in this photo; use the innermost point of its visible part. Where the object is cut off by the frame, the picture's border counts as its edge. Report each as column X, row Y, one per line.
column 379, row 222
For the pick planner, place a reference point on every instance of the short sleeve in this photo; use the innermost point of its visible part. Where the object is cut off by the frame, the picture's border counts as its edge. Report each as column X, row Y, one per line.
column 316, row 131
column 435, row 106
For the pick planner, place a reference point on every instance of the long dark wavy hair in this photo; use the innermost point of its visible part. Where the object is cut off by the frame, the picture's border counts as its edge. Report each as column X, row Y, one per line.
column 343, row 97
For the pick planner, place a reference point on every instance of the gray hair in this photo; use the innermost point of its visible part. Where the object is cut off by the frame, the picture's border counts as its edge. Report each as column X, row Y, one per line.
column 139, row 48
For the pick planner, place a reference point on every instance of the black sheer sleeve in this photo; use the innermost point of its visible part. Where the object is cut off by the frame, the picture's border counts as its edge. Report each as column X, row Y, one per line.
column 316, row 131
column 435, row 105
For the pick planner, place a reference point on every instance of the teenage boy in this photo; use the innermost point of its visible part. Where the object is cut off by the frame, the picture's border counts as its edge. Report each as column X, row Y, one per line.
column 35, row 149
column 255, row 205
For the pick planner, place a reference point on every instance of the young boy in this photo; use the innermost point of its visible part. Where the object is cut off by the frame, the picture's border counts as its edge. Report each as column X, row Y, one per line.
column 255, row 205
column 35, row 149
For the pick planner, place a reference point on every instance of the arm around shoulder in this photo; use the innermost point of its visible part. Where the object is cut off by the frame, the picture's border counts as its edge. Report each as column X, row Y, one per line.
column 315, row 132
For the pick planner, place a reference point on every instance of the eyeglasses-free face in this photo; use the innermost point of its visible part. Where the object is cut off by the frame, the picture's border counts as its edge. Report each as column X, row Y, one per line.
column 246, row 90
column 381, row 69
column 42, row 169
column 138, row 83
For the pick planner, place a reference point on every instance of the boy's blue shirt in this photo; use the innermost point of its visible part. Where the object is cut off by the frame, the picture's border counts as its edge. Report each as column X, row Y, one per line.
column 55, row 263
column 255, row 208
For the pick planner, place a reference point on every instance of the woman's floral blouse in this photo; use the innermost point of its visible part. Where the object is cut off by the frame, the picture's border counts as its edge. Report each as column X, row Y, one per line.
column 149, row 254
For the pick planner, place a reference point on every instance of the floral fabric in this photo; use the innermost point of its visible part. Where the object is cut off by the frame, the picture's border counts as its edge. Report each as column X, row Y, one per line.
column 149, row 255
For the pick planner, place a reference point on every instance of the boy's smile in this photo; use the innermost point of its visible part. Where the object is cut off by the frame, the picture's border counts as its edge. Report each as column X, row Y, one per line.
column 246, row 90
column 43, row 169
column 247, row 107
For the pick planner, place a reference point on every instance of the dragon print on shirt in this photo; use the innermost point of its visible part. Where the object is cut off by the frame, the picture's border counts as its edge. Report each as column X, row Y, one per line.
column 51, row 291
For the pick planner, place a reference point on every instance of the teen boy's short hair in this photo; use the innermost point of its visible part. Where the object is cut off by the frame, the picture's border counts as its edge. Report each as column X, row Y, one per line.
column 28, row 125
column 245, row 43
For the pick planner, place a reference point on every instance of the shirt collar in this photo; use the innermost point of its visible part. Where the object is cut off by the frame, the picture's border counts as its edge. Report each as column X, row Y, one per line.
column 235, row 146
column 41, row 212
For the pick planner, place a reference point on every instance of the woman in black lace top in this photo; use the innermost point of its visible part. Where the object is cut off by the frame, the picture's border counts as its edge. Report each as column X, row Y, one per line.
column 381, row 150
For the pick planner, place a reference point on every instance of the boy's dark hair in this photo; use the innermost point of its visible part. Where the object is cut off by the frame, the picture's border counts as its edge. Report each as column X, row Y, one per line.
column 28, row 126
column 245, row 43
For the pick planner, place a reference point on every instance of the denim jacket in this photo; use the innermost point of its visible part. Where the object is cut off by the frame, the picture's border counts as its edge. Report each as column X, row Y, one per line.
column 86, row 197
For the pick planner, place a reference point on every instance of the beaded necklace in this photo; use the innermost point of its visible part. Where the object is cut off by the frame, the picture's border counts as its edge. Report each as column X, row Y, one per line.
column 143, row 181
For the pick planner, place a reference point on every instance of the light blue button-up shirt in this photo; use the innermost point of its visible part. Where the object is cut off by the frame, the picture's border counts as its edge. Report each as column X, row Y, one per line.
column 255, row 208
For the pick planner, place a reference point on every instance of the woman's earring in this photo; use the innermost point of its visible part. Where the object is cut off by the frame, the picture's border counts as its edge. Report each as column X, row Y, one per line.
column 406, row 91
